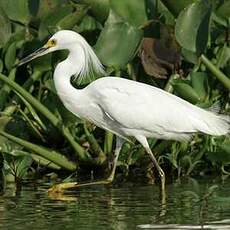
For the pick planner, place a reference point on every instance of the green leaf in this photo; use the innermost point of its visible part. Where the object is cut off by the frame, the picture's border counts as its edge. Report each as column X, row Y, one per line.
column 49, row 23
column 176, row 7
column 192, row 26
column 32, row 111
column 189, row 56
column 22, row 165
column 69, row 21
column 99, row 8
column 53, row 119
column 224, row 9
column 5, row 28
column 34, row 6
column 118, row 42
column 163, row 10
column 225, row 146
column 49, row 154
column 132, row 11
column 46, row 7
column 219, row 157
column 199, row 83
column 4, row 92
column 223, row 56
column 18, row 165
column 1, row 65
column 16, row 10
column 88, row 23
column 185, row 91
column 10, row 56
column 42, row 64
column 4, row 120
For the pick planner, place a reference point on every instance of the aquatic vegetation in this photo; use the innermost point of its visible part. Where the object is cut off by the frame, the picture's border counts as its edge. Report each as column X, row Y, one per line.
column 183, row 48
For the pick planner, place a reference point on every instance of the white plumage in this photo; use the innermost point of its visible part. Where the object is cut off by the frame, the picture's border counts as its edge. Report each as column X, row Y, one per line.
column 124, row 107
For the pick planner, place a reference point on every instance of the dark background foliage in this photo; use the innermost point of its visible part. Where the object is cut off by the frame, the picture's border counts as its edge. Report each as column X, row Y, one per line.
column 182, row 48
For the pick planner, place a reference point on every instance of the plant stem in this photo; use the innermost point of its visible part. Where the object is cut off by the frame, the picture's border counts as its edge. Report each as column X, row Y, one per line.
column 219, row 75
column 48, row 154
column 81, row 153
column 95, row 146
column 9, row 110
column 108, row 146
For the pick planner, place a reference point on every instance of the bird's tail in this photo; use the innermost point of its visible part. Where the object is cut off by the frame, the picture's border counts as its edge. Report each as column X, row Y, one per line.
column 215, row 124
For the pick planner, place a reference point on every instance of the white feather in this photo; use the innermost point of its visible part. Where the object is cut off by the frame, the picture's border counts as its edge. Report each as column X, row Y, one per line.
column 126, row 107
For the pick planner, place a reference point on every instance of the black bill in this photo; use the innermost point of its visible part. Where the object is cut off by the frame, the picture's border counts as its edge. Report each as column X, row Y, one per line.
column 39, row 52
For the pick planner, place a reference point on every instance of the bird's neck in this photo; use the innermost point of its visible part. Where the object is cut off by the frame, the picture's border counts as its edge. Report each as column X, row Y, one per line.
column 63, row 73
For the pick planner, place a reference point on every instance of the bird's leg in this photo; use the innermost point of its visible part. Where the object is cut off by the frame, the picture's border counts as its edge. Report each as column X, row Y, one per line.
column 119, row 143
column 60, row 188
column 145, row 144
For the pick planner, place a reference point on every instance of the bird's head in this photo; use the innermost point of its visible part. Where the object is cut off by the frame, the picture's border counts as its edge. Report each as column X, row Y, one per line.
column 63, row 39
column 86, row 60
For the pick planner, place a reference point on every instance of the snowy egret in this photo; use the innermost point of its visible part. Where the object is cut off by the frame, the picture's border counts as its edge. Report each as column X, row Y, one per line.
column 124, row 107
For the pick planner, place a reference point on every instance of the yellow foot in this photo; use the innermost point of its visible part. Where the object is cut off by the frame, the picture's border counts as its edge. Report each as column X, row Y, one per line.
column 60, row 188
column 56, row 192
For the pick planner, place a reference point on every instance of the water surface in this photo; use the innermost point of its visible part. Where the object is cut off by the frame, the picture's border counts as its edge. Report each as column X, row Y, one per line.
column 190, row 205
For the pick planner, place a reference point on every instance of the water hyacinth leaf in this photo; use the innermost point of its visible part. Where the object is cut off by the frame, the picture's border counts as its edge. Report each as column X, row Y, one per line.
column 4, row 91
column 49, row 23
column 32, row 111
column 1, row 65
column 69, row 21
column 99, row 8
column 5, row 28
column 49, row 154
column 225, row 146
column 88, row 23
column 185, row 91
column 220, row 21
column 223, row 10
column 220, row 156
column 49, row 115
column 189, row 56
column 3, row 122
column 176, row 8
column 150, row 62
column 18, row 37
column 223, row 56
column 42, row 64
column 10, row 56
column 117, row 42
column 158, row 59
column 192, row 26
column 168, row 16
column 34, row 6
column 3, row 98
column 21, row 165
column 17, row 126
column 132, row 11
column 46, row 6
column 16, row 10
column 199, row 83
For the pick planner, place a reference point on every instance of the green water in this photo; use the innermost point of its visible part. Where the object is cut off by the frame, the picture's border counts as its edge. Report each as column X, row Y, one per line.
column 190, row 205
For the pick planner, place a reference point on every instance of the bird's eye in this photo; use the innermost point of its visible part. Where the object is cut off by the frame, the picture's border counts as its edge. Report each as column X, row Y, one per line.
column 53, row 42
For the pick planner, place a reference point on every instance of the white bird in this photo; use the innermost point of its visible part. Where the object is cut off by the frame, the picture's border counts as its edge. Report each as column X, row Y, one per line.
column 124, row 107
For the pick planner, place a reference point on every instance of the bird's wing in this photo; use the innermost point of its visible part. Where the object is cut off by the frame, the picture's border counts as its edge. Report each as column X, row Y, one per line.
column 142, row 107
